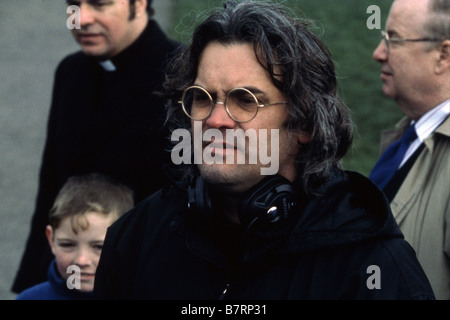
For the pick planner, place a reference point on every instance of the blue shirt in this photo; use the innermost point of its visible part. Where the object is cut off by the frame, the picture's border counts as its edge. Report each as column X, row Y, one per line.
column 55, row 288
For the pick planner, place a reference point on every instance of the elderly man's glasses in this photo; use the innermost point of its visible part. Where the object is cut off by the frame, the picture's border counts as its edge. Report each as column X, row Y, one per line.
column 241, row 104
column 388, row 40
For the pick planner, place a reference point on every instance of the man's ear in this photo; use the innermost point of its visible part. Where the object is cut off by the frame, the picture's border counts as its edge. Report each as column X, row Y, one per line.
column 443, row 62
column 141, row 7
column 50, row 237
column 303, row 137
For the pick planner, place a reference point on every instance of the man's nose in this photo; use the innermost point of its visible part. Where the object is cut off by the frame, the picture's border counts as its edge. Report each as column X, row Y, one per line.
column 87, row 15
column 381, row 52
column 219, row 117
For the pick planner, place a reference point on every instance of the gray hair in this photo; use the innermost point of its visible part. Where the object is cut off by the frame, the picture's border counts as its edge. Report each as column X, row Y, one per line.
column 437, row 25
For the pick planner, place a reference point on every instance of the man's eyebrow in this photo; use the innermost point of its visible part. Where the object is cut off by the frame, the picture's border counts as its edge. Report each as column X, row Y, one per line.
column 254, row 90
column 393, row 32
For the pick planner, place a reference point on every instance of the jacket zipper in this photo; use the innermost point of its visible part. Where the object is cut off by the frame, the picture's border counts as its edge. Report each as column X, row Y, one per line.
column 243, row 240
column 224, row 292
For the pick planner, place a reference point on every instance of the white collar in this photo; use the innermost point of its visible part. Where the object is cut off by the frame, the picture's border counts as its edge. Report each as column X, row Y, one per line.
column 426, row 125
column 432, row 119
column 108, row 65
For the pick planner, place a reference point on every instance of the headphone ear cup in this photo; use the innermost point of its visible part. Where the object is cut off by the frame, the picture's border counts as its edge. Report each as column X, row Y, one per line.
column 271, row 200
column 198, row 197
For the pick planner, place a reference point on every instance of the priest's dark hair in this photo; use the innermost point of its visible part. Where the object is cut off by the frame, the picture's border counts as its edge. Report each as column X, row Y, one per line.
column 150, row 9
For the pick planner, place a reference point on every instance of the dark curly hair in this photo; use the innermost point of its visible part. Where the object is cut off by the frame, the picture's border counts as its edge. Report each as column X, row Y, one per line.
column 149, row 9
column 299, row 65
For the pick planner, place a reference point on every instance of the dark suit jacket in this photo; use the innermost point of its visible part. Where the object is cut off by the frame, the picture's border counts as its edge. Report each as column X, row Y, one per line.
column 100, row 121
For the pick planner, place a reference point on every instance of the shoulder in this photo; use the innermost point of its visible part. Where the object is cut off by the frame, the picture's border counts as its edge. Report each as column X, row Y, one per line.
column 444, row 128
column 41, row 291
column 399, row 265
column 157, row 34
column 72, row 61
column 130, row 238
column 148, row 216
column 378, row 269
column 166, row 47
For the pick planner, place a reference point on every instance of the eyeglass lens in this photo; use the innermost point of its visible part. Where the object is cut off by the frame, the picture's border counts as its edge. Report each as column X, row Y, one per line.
column 241, row 104
column 197, row 104
column 385, row 38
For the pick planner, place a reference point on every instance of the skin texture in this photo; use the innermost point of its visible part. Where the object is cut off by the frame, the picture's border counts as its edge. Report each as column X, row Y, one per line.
column 106, row 28
column 416, row 76
column 82, row 249
column 222, row 68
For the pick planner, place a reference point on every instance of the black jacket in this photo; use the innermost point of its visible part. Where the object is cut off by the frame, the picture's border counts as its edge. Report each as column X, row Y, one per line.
column 100, row 121
column 342, row 245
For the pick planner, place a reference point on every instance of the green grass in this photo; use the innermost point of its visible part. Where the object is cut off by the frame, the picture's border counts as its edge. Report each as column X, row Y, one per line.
column 342, row 26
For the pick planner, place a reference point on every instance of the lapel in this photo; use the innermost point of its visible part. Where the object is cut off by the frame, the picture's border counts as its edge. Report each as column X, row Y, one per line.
column 415, row 181
column 391, row 135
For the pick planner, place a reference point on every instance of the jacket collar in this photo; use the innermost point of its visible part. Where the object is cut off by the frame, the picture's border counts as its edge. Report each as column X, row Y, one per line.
column 141, row 50
column 351, row 209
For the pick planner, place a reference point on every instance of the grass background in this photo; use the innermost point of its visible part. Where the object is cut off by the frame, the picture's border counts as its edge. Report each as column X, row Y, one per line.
column 342, row 25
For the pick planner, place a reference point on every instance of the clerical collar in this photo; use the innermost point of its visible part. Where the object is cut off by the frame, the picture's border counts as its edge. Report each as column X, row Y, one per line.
column 108, row 65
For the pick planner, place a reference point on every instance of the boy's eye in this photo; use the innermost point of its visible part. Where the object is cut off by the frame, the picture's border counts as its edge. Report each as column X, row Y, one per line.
column 66, row 244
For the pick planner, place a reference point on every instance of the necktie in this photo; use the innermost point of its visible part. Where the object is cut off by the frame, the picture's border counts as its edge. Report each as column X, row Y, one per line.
column 389, row 161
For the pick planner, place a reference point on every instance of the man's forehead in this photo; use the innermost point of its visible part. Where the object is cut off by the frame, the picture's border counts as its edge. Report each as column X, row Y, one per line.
column 407, row 15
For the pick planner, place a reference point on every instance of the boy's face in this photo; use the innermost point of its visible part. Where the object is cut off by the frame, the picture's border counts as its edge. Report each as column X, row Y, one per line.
column 82, row 249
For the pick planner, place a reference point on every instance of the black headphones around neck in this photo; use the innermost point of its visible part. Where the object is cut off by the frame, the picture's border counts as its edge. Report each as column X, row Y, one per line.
column 272, row 199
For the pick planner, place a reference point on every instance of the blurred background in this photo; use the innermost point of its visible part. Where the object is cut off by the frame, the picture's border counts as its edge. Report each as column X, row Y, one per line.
column 34, row 38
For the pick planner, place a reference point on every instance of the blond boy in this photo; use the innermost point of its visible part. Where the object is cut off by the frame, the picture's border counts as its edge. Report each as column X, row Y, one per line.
column 84, row 208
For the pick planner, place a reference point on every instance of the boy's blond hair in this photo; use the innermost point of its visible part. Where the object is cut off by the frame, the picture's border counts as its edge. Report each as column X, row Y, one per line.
column 90, row 193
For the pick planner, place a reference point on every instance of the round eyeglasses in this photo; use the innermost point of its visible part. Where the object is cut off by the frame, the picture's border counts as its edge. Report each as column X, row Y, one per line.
column 241, row 104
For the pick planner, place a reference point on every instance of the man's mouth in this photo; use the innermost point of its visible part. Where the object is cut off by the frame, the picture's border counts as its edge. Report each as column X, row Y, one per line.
column 218, row 146
column 385, row 74
column 83, row 36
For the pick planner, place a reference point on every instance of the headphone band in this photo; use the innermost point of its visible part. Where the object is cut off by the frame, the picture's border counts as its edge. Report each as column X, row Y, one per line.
column 272, row 199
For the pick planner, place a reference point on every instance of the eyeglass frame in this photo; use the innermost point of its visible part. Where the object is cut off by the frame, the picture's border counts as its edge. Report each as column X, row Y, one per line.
column 387, row 39
column 213, row 103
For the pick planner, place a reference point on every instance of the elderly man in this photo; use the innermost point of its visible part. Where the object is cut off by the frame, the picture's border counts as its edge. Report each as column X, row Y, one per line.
column 415, row 70
column 105, row 116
